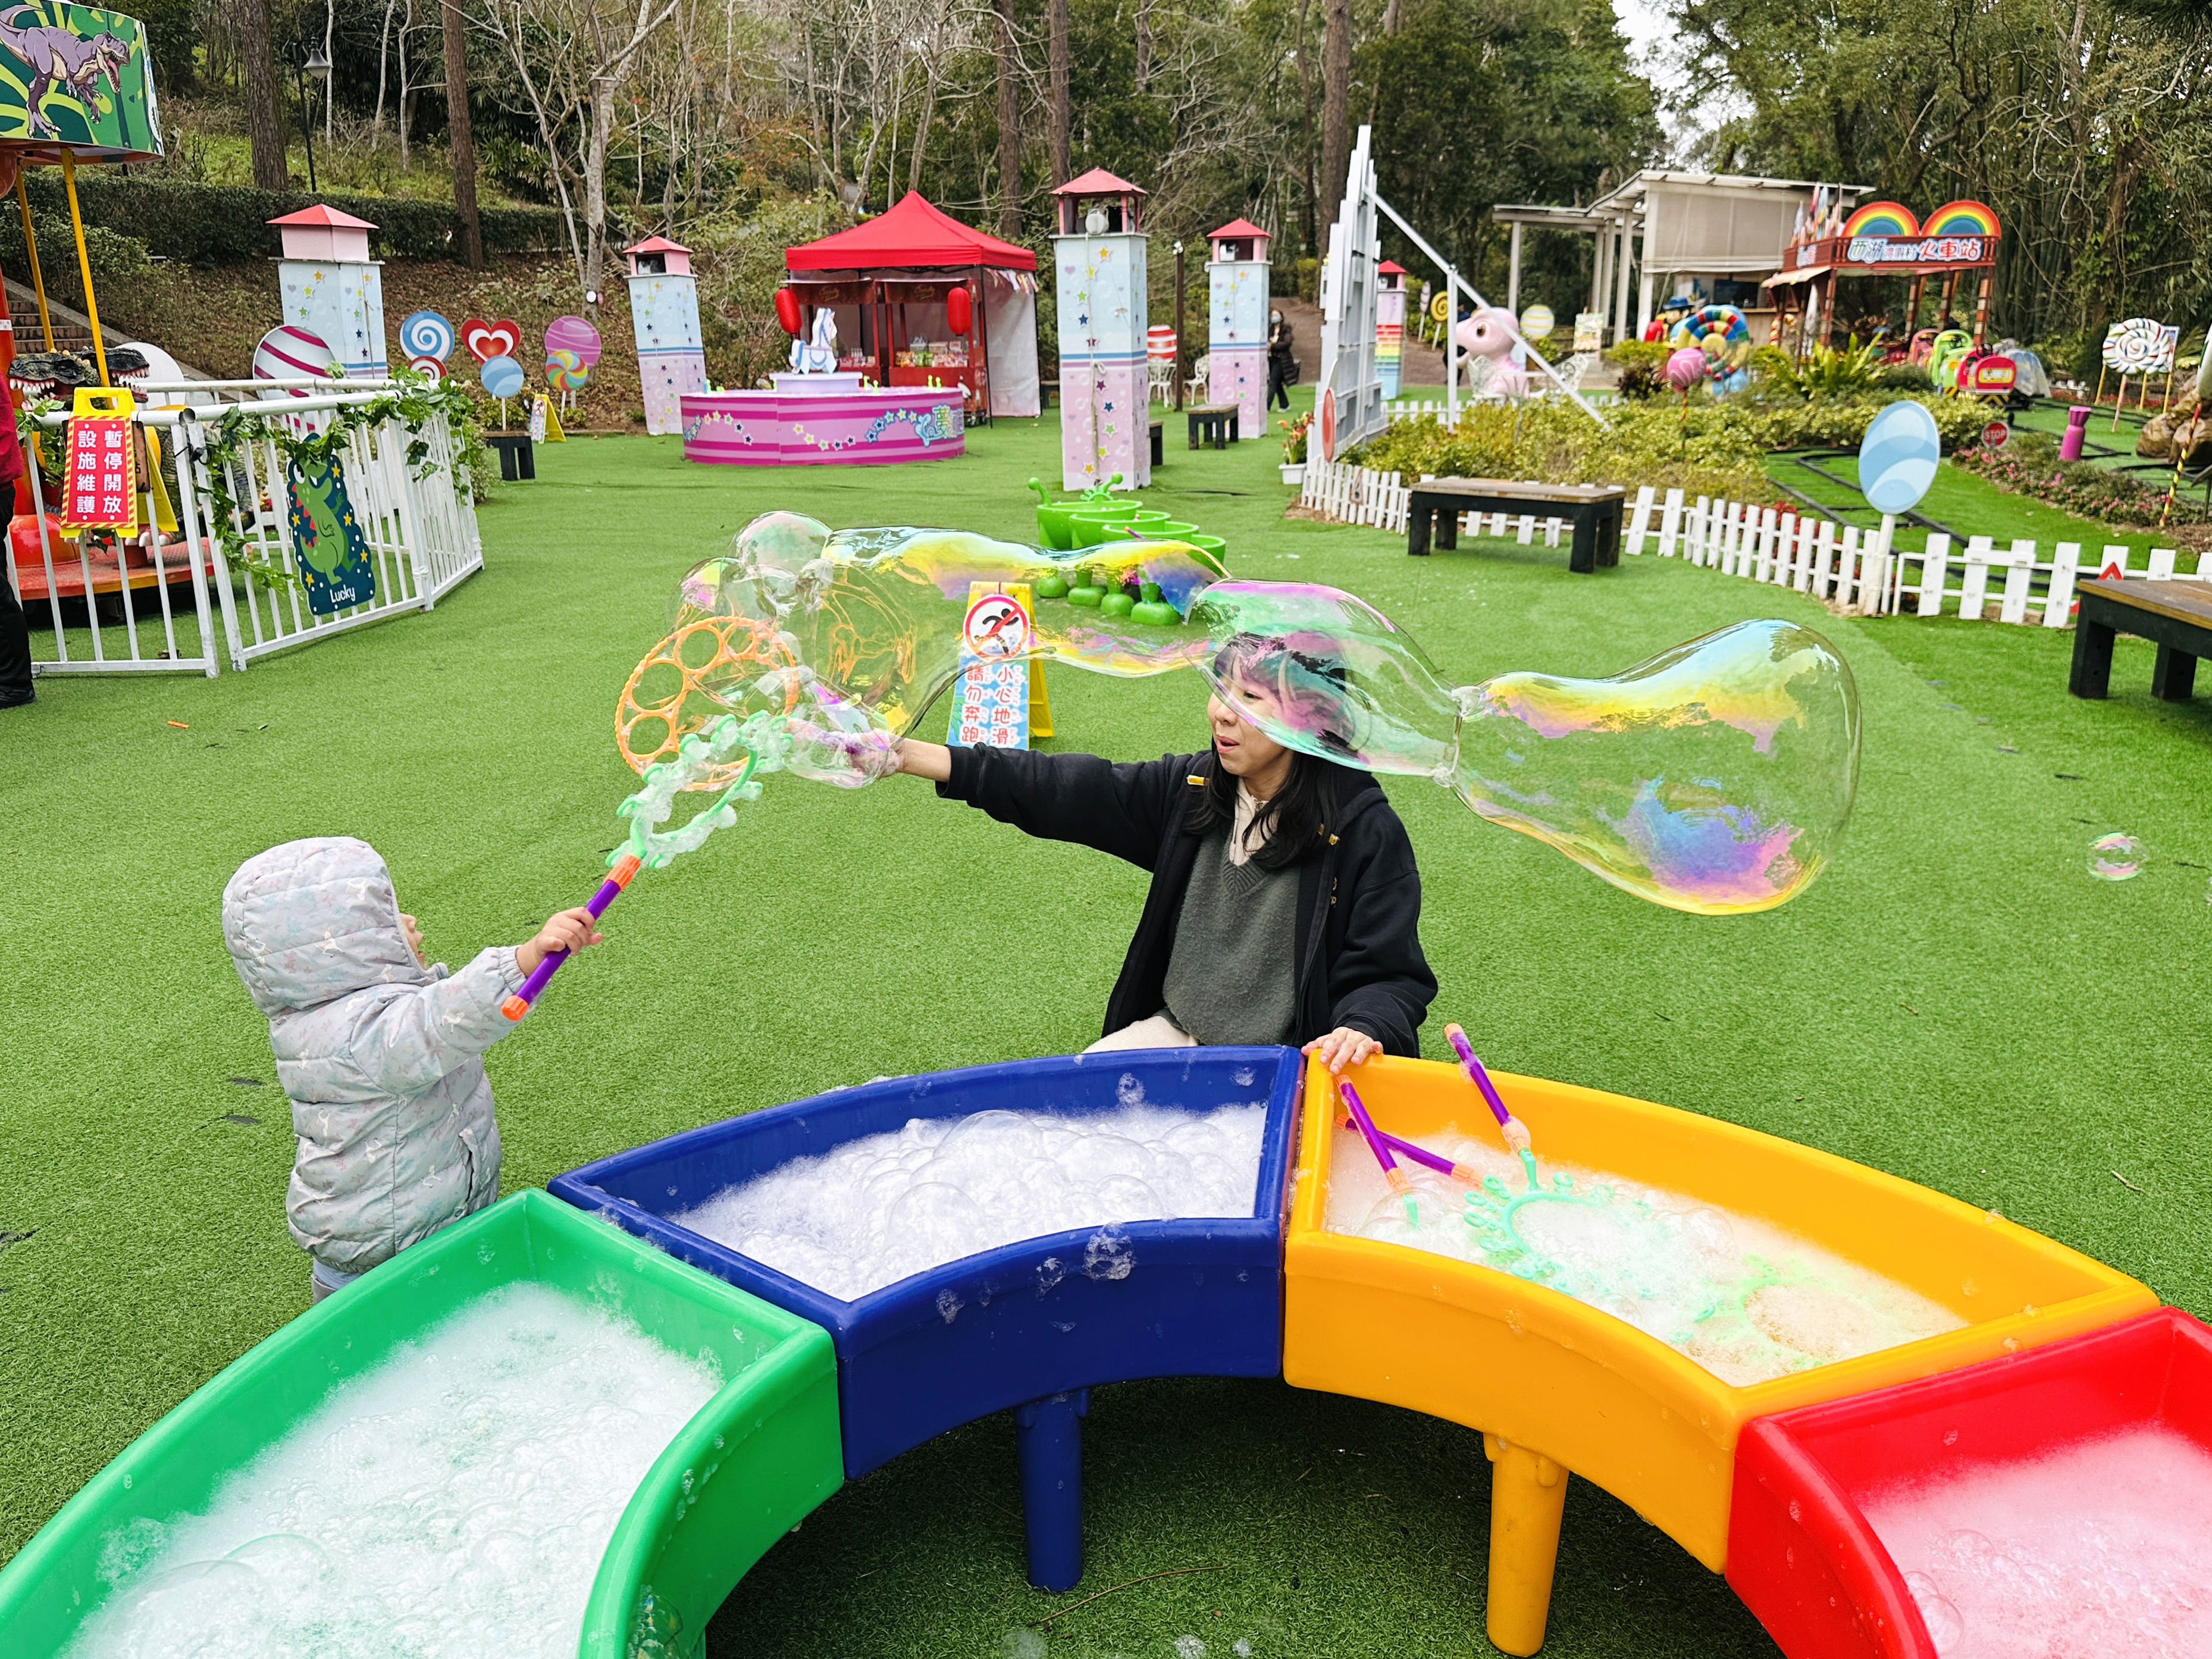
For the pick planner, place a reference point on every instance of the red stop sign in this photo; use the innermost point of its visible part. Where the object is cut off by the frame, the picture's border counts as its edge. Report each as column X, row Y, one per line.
column 1996, row 436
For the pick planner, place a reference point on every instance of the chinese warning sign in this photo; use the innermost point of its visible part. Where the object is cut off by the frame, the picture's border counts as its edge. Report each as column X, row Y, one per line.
column 1000, row 697
column 100, row 488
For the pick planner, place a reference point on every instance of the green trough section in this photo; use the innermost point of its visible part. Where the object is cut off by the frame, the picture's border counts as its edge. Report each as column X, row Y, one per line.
column 757, row 1457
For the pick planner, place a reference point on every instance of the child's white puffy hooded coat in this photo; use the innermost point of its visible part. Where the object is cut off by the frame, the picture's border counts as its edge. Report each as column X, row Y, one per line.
column 379, row 1055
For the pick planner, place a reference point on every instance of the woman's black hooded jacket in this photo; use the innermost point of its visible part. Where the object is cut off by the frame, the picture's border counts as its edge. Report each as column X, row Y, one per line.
column 1359, row 900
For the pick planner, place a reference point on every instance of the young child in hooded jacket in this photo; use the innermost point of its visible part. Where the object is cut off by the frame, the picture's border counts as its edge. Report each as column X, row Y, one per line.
column 379, row 1050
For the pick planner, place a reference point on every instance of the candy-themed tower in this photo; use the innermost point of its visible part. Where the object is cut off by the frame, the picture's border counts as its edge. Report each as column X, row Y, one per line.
column 1100, row 256
column 1390, row 324
column 663, row 309
column 1236, row 323
column 332, row 288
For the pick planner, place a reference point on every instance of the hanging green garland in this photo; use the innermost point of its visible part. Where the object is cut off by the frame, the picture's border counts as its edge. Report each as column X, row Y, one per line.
column 414, row 400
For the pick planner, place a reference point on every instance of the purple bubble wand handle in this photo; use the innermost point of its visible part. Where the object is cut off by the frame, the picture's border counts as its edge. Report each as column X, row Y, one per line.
column 1420, row 1154
column 1512, row 1127
column 542, row 976
column 1377, row 1145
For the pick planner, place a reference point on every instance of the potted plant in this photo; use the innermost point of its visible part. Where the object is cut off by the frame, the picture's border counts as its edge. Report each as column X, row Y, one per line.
column 1294, row 448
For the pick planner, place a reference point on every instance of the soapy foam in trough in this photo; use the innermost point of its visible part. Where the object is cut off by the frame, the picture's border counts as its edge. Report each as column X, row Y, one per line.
column 886, row 1207
column 1743, row 1298
column 456, row 1499
column 2098, row 1547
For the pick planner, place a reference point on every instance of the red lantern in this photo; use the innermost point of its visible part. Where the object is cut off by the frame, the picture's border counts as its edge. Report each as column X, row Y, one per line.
column 958, row 313
column 787, row 311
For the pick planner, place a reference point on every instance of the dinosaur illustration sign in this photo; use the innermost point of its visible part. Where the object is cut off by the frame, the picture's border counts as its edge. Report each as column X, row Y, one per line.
column 78, row 78
column 328, row 547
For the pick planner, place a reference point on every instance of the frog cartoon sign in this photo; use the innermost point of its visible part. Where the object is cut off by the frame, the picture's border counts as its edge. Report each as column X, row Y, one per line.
column 328, row 547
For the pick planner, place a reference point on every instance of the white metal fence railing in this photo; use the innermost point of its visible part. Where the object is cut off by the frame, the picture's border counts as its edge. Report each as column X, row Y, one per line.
column 174, row 603
column 1871, row 572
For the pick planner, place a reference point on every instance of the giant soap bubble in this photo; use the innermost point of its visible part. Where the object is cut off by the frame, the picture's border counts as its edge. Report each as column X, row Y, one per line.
column 1716, row 777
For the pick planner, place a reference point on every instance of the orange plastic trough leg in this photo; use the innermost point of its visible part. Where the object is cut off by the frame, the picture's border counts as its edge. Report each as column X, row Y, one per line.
column 1528, row 1492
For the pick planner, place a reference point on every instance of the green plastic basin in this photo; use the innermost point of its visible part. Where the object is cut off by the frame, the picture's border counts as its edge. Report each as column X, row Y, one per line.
column 757, row 1457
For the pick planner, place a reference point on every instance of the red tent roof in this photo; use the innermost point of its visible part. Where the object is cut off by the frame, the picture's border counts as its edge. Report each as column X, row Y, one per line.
column 320, row 214
column 1098, row 182
column 913, row 232
column 1238, row 230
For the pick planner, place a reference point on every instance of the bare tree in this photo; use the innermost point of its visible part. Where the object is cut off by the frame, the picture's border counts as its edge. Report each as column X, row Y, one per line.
column 1056, row 27
column 460, row 135
column 1010, row 123
column 1335, row 108
column 264, row 116
column 572, row 56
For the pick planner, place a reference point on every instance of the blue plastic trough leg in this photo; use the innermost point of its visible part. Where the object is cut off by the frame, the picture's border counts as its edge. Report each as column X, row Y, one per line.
column 1048, row 1439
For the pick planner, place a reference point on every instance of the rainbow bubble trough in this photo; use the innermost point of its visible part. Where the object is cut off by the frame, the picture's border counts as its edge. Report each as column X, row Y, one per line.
column 1716, row 777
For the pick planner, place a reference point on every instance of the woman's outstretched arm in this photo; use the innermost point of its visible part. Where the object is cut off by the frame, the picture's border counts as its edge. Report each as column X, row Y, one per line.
column 1121, row 808
column 918, row 759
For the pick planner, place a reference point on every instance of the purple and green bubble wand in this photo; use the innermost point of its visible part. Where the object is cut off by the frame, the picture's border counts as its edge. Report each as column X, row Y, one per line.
column 1381, row 1148
column 1515, row 1131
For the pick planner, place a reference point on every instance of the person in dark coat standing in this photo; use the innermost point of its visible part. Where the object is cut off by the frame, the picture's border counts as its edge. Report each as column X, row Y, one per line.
column 1282, row 360
column 1285, row 903
column 16, row 688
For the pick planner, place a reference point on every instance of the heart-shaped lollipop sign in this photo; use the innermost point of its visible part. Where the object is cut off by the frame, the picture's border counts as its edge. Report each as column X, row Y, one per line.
column 487, row 340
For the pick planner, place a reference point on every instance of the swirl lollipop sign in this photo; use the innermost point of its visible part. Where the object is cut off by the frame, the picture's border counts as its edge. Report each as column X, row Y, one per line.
column 428, row 340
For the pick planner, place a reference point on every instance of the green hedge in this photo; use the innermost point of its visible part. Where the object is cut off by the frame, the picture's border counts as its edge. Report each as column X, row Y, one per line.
column 224, row 224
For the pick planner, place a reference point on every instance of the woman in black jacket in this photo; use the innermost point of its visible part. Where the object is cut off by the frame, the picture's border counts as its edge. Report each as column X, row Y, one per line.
column 1285, row 906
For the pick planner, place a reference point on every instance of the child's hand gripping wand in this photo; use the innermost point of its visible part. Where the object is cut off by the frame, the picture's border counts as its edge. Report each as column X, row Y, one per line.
column 540, row 977
column 1381, row 1148
column 1515, row 1131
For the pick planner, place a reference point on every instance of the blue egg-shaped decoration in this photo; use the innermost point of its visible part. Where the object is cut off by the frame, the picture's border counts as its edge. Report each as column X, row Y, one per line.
column 502, row 377
column 1898, row 456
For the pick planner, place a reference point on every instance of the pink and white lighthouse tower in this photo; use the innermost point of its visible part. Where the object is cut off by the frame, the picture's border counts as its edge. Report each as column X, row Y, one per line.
column 1390, row 324
column 1236, row 323
column 1099, row 254
column 664, row 310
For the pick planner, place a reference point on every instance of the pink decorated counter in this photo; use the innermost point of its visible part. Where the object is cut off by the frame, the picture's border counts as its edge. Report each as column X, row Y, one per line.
column 825, row 418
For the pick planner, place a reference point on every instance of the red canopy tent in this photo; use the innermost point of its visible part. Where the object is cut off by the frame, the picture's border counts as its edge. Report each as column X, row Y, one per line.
column 886, row 279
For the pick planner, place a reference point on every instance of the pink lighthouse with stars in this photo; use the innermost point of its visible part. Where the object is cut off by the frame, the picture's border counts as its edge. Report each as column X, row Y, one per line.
column 1099, row 254
column 663, row 309
column 332, row 289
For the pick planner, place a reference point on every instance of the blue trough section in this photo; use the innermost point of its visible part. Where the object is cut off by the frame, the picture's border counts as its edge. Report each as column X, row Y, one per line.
column 1002, row 1329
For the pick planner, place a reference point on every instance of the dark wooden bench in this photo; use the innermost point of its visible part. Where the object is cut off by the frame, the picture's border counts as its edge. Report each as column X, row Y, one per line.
column 2176, row 617
column 1593, row 509
column 518, row 458
column 1216, row 421
column 1158, row 430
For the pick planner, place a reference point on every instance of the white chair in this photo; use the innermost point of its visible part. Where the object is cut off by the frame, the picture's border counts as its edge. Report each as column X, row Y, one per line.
column 1160, row 380
column 1201, row 369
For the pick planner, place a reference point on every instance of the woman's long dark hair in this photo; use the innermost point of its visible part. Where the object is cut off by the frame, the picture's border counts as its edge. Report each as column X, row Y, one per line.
column 1293, row 823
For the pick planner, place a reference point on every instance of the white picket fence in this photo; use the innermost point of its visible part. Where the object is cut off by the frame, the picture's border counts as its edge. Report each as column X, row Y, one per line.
column 1838, row 562
column 419, row 522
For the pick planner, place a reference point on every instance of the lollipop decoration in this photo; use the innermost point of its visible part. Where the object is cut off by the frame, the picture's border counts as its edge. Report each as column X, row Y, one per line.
column 428, row 340
column 572, row 351
column 502, row 378
column 487, row 340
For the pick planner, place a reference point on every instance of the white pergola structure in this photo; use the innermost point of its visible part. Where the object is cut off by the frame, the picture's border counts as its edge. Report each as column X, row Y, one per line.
column 1662, row 224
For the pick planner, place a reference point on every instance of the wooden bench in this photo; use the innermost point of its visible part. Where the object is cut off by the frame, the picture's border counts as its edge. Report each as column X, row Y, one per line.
column 1217, row 421
column 1158, row 430
column 2176, row 617
column 518, row 460
column 1594, row 509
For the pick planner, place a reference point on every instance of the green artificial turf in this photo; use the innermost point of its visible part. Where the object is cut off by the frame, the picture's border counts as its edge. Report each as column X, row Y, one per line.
column 1956, row 1000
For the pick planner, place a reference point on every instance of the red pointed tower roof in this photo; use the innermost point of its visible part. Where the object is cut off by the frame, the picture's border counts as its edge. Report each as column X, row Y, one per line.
column 1239, row 230
column 1098, row 182
column 327, row 218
